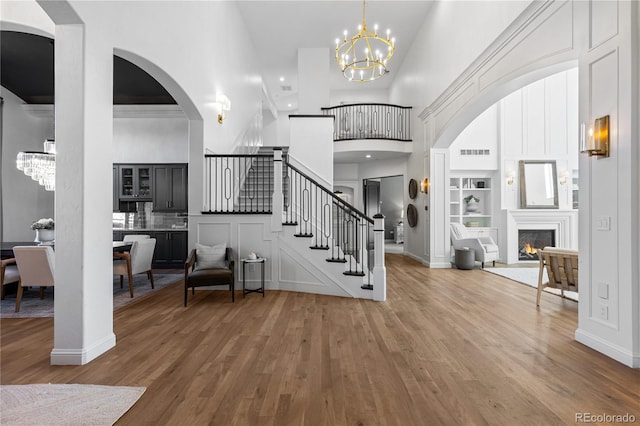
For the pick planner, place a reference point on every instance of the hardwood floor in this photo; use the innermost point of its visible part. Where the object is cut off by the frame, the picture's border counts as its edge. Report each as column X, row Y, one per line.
column 447, row 347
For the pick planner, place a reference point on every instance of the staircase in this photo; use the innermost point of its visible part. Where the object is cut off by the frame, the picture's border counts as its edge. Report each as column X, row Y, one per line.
column 322, row 235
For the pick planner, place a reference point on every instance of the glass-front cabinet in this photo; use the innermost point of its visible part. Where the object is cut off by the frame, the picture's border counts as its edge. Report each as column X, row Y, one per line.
column 135, row 182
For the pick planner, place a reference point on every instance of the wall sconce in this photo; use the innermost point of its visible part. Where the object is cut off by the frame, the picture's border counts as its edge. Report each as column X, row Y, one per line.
column 510, row 177
column 224, row 106
column 597, row 142
column 424, row 187
column 562, row 177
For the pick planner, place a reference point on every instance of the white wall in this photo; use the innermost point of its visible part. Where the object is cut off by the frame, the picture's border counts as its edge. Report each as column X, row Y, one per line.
column 23, row 200
column 536, row 122
column 359, row 96
column 150, row 140
column 431, row 66
column 480, row 134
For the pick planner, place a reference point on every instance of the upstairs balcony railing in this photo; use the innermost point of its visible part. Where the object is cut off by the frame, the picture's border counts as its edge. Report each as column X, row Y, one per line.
column 370, row 121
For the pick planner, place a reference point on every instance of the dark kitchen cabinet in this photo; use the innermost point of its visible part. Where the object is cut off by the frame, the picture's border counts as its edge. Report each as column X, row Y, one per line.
column 116, row 199
column 135, row 182
column 170, row 188
column 171, row 249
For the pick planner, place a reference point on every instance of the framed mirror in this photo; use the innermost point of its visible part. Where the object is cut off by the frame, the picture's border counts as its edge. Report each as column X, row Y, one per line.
column 538, row 184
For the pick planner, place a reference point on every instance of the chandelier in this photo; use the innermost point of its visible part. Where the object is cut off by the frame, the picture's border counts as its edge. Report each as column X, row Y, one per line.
column 364, row 56
column 40, row 166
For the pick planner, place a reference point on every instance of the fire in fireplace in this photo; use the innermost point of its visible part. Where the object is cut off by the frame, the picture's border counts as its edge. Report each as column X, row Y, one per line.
column 532, row 240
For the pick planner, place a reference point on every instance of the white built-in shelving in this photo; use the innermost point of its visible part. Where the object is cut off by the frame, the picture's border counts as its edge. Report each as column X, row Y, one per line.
column 461, row 188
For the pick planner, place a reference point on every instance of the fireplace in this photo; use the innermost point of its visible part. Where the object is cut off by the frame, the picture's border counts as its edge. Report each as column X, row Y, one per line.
column 532, row 240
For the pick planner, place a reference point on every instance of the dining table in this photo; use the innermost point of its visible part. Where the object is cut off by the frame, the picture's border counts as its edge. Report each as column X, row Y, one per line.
column 7, row 247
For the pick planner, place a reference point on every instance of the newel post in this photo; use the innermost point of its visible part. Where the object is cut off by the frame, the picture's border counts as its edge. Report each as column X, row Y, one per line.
column 379, row 270
column 277, row 200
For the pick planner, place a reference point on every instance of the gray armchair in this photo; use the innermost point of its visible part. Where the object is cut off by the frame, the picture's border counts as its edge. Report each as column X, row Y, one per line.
column 198, row 274
column 486, row 250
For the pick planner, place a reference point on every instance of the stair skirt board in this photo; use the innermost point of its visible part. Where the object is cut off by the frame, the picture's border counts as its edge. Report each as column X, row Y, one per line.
column 334, row 283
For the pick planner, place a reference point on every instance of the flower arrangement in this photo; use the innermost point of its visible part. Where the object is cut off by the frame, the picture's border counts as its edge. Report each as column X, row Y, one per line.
column 471, row 197
column 43, row 224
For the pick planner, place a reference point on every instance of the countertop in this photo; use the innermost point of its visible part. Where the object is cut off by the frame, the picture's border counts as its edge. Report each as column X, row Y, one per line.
column 154, row 229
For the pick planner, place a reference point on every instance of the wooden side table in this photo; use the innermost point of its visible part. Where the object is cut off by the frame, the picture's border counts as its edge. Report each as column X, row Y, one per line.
column 245, row 290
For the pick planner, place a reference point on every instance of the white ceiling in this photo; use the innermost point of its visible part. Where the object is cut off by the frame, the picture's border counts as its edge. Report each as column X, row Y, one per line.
column 279, row 28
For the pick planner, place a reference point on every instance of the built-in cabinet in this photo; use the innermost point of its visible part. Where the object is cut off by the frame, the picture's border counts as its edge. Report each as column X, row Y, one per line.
column 135, row 182
column 165, row 185
column 169, row 187
column 171, row 246
column 171, row 249
column 470, row 201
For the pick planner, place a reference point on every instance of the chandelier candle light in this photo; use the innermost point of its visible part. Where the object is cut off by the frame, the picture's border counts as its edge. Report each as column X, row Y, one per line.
column 364, row 56
column 40, row 166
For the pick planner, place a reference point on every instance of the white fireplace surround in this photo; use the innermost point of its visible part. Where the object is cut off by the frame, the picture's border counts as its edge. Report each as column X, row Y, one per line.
column 563, row 222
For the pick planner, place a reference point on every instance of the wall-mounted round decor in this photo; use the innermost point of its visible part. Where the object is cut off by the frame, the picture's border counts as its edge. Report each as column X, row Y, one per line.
column 412, row 215
column 413, row 188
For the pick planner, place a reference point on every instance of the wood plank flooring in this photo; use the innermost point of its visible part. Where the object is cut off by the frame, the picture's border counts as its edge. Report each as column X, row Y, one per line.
column 447, row 347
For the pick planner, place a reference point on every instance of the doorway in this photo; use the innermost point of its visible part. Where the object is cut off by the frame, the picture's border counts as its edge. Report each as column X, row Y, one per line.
column 385, row 195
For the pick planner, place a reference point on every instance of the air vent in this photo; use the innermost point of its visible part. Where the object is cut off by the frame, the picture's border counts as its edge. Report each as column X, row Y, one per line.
column 286, row 88
column 475, row 152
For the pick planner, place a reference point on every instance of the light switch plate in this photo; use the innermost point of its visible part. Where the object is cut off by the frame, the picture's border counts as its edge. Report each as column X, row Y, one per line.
column 603, row 290
column 603, row 223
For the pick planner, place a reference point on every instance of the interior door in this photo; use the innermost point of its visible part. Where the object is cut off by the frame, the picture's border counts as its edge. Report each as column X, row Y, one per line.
column 371, row 207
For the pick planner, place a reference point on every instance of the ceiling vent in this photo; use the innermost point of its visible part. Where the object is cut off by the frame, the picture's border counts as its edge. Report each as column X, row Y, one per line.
column 475, row 152
column 286, row 88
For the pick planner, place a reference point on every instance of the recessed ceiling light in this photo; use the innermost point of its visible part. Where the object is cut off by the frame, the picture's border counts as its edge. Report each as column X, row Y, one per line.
column 368, row 155
column 281, row 78
column 289, row 105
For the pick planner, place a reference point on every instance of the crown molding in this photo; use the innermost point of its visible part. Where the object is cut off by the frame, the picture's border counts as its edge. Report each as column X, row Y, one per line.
column 119, row 111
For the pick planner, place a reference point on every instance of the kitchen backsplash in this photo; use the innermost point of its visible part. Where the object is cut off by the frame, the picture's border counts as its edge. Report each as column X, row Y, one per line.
column 145, row 218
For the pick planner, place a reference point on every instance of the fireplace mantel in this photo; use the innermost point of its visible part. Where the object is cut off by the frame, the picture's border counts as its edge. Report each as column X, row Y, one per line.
column 563, row 222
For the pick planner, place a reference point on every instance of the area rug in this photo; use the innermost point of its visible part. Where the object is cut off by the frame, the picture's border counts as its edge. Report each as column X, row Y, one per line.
column 65, row 404
column 529, row 276
column 32, row 307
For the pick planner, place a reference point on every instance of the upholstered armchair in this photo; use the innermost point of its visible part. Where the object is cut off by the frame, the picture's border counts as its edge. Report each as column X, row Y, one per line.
column 486, row 250
column 135, row 237
column 137, row 261
column 8, row 273
column 209, row 266
column 36, row 267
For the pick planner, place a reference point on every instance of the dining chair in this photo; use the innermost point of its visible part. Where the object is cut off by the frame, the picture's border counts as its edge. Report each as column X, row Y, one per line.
column 135, row 237
column 8, row 273
column 136, row 261
column 36, row 268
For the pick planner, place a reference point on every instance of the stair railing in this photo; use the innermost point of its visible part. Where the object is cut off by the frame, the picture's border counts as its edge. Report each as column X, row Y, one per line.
column 238, row 184
column 333, row 224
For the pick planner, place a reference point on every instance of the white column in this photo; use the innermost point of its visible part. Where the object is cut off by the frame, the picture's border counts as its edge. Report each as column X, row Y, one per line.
column 379, row 270
column 313, row 79
column 83, row 323
column 276, row 207
column 439, row 239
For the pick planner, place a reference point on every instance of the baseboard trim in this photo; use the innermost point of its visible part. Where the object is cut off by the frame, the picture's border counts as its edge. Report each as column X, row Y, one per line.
column 82, row 356
column 606, row 348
